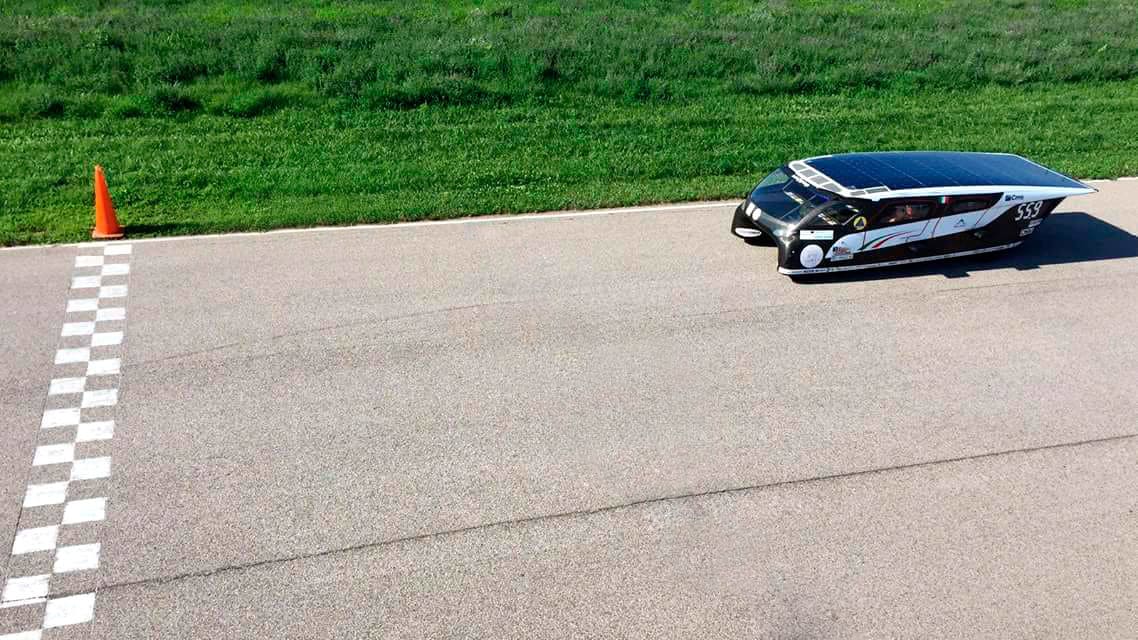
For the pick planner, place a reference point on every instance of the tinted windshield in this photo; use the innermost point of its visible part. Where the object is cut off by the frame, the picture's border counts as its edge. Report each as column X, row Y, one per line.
column 837, row 214
column 785, row 200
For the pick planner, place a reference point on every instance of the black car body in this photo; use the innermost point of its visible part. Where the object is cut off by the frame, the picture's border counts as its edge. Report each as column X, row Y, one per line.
column 861, row 210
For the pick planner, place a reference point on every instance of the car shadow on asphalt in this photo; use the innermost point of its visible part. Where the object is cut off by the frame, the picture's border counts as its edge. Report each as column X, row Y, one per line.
column 1062, row 239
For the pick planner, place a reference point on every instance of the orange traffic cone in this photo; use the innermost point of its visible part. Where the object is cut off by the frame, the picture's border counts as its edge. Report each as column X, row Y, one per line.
column 106, row 225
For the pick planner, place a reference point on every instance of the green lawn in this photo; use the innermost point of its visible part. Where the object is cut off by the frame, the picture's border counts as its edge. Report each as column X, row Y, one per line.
column 215, row 116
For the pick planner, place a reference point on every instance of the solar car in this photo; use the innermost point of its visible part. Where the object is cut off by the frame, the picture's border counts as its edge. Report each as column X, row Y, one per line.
column 860, row 210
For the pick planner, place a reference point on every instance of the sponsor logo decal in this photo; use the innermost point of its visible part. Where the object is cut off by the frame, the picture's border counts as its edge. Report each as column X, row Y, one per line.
column 815, row 235
column 859, row 223
column 959, row 223
column 840, row 253
column 1034, row 223
column 1011, row 197
column 1027, row 232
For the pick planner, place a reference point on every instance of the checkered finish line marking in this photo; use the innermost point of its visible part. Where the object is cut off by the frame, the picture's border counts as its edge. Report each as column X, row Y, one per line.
column 57, row 538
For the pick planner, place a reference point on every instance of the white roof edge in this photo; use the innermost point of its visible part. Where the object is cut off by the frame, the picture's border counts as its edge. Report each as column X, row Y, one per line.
column 985, row 189
column 822, row 181
column 985, row 153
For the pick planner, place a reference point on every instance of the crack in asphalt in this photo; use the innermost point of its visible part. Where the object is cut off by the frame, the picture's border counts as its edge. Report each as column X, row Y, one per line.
column 161, row 580
column 332, row 327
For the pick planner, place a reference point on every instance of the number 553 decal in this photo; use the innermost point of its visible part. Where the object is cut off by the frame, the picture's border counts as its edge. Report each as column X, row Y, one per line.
column 1029, row 210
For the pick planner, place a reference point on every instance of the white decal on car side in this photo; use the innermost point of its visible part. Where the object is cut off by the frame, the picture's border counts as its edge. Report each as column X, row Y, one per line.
column 957, row 223
column 846, row 246
column 811, row 256
column 897, row 234
column 807, row 234
column 874, row 265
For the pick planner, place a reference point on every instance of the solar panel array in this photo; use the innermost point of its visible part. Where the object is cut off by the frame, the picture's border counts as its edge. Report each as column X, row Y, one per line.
column 895, row 170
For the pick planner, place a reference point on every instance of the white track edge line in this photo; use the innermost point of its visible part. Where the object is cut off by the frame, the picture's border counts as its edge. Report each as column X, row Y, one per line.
column 485, row 219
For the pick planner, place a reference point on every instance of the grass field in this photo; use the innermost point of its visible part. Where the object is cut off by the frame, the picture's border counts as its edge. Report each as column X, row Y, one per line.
column 215, row 116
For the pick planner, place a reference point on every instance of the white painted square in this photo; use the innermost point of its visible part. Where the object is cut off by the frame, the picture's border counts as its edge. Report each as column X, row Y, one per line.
column 89, row 510
column 117, row 250
column 106, row 339
column 32, row 540
column 90, row 431
column 85, row 304
column 26, row 588
column 100, row 398
column 39, row 495
column 79, row 557
column 23, row 635
column 38, row 634
column 88, row 261
column 78, row 329
column 86, row 282
column 54, row 454
column 61, row 612
column 60, row 418
column 67, row 356
column 108, row 367
column 114, row 313
column 91, row 468
column 113, row 291
column 117, row 269
column 61, row 386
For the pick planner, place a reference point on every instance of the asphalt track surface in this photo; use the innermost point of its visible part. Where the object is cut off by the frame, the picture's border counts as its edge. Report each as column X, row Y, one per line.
column 623, row 425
